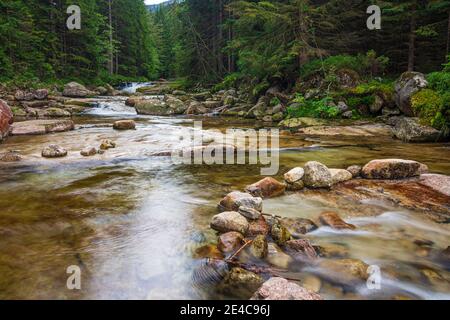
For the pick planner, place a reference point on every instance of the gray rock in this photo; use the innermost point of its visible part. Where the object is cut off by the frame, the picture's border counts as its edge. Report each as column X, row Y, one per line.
column 406, row 86
column 355, row 170
column 340, row 175
column 317, row 175
column 54, row 151
column 89, row 151
column 410, row 130
column 294, row 175
column 229, row 221
column 377, row 105
column 282, row 289
column 234, row 200
column 76, row 90
column 249, row 213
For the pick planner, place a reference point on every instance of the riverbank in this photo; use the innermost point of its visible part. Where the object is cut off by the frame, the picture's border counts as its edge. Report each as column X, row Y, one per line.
column 140, row 226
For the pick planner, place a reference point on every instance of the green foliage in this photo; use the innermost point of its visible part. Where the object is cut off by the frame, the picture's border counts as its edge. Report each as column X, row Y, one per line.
column 229, row 81
column 439, row 81
column 313, row 108
column 275, row 101
column 429, row 106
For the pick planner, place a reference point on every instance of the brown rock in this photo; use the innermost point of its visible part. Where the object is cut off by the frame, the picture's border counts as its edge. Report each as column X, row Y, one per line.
column 249, row 213
column 6, row 119
column 54, row 151
column 391, row 169
column 258, row 227
column 345, row 271
column 437, row 182
column 281, row 289
column 333, row 220
column 38, row 127
column 355, row 171
column 266, row 188
column 298, row 226
column 10, row 156
column 230, row 241
column 124, row 125
column 89, row 151
column 259, row 247
column 301, row 249
column 107, row 144
column 240, row 283
column 208, row 251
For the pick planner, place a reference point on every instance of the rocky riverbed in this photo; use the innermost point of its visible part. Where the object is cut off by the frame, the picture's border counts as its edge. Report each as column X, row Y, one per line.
column 89, row 190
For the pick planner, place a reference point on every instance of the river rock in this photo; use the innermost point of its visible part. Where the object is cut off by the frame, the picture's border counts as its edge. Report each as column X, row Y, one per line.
column 355, row 171
column 196, row 107
column 345, row 271
column 301, row 249
column 234, row 200
column 364, row 130
column 155, row 107
column 240, row 283
column 312, row 283
column 229, row 221
column 21, row 95
column 297, row 227
column 53, row 113
column 259, row 247
column 230, row 241
column 10, row 156
column 410, row 130
column 41, row 94
column 280, row 234
column 6, row 119
column 296, row 123
column 107, row 144
column 333, row 220
column 124, row 125
column 131, row 101
column 340, row 175
column 176, row 105
column 258, row 227
column 294, row 175
column 406, row 86
column 266, row 188
column 76, row 90
column 282, row 289
column 317, row 175
column 249, row 213
column 376, row 105
column 89, row 151
column 277, row 258
column 296, row 186
column 392, row 169
column 38, row 127
column 437, row 182
column 54, row 151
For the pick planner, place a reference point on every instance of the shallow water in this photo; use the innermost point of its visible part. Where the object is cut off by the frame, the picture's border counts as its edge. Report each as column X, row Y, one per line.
column 133, row 222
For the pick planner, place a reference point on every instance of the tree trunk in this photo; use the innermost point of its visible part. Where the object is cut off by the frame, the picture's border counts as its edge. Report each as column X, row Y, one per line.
column 412, row 40
column 447, row 52
column 111, row 54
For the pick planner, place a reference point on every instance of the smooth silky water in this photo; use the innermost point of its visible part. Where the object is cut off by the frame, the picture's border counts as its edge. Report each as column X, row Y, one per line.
column 134, row 222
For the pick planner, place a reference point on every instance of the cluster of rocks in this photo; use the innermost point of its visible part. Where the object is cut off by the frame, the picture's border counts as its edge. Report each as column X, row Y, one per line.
column 252, row 242
column 55, row 151
column 51, row 103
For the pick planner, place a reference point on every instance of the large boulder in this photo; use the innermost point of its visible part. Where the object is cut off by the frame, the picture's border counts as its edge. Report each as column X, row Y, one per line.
column 38, row 127
column 155, row 107
column 176, row 105
column 317, row 175
column 234, row 200
column 410, row 130
column 282, row 289
column 392, row 169
column 406, row 86
column 76, row 90
column 229, row 221
column 437, row 182
column 266, row 188
column 6, row 119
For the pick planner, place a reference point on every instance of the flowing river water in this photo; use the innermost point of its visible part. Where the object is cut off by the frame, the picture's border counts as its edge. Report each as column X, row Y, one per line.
column 134, row 223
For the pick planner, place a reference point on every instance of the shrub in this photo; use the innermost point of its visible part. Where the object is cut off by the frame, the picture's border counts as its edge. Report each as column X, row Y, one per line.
column 314, row 108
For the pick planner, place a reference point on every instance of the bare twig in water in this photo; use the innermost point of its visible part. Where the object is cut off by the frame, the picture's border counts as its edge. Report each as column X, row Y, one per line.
column 239, row 250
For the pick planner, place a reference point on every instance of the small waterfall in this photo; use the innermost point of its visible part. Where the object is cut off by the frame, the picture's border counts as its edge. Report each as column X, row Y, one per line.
column 131, row 87
column 112, row 107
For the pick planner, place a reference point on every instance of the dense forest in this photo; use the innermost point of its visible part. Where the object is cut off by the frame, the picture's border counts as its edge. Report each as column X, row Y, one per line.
column 206, row 40
column 116, row 38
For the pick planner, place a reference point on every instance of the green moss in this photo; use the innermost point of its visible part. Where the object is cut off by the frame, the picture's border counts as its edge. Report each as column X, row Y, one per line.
column 429, row 106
